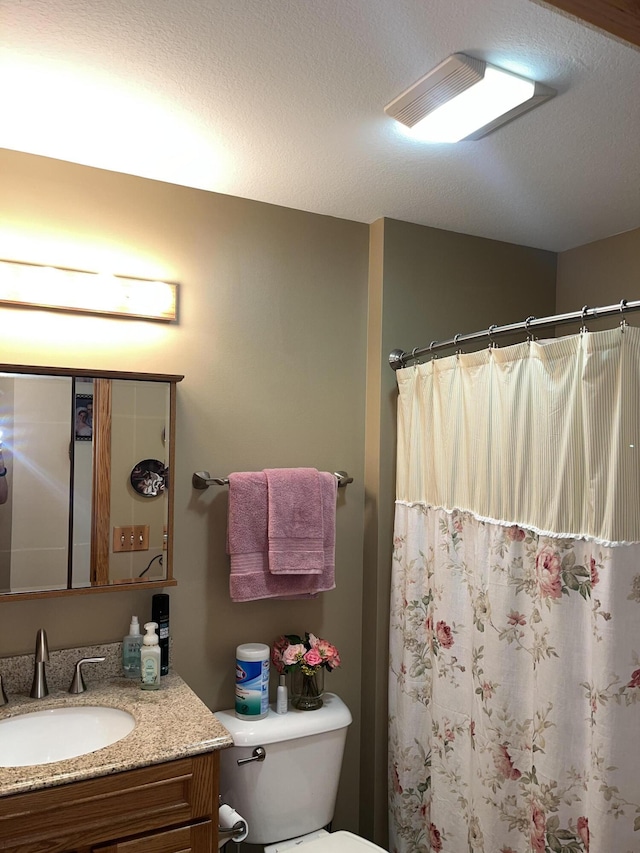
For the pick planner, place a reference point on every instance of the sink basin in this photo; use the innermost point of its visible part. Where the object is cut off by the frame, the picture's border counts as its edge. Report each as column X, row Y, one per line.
column 41, row 737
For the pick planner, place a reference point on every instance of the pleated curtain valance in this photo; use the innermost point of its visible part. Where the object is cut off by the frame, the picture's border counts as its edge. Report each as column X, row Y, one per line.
column 543, row 434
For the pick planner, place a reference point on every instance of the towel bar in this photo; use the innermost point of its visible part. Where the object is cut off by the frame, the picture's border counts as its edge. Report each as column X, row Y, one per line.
column 202, row 480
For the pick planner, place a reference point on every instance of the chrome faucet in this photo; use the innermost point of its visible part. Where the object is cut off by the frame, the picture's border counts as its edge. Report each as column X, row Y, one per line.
column 39, row 687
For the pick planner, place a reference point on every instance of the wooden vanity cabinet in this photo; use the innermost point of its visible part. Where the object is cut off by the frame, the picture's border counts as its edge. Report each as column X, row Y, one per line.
column 163, row 808
column 195, row 838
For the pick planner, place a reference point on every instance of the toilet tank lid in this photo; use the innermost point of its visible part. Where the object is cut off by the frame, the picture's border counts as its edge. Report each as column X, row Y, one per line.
column 275, row 728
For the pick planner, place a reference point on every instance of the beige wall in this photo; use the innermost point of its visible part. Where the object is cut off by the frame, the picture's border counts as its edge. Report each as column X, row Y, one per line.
column 271, row 341
column 600, row 273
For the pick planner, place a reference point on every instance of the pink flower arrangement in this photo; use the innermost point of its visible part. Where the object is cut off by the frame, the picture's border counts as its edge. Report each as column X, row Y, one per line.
column 290, row 652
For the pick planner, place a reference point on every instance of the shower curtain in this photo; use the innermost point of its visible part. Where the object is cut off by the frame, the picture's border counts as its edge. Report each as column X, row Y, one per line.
column 514, row 684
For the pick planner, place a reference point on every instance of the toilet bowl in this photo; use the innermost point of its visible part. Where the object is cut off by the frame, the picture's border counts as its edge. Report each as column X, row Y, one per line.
column 287, row 789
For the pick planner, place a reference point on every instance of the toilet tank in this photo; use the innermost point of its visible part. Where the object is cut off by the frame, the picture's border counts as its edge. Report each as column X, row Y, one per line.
column 293, row 791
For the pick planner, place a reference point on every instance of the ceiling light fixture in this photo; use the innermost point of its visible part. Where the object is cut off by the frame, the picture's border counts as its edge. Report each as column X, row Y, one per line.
column 34, row 286
column 465, row 98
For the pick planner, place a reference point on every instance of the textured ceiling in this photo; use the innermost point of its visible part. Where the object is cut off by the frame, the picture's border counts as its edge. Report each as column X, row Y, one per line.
column 283, row 101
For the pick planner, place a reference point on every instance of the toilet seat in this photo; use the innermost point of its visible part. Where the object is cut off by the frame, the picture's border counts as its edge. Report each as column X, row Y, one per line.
column 293, row 843
column 338, row 842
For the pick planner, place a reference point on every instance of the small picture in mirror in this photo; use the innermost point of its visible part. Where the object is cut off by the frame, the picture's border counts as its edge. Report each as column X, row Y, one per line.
column 83, row 417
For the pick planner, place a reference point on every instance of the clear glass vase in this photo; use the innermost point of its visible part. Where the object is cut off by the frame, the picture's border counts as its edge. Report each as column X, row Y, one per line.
column 306, row 690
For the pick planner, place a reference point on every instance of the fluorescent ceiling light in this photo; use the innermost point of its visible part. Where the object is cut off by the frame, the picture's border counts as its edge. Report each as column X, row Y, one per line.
column 33, row 286
column 465, row 98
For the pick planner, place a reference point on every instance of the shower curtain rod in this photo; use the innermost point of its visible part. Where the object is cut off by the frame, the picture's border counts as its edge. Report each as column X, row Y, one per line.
column 398, row 358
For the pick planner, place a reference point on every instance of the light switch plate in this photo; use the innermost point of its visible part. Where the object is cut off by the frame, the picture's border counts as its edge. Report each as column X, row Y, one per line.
column 131, row 538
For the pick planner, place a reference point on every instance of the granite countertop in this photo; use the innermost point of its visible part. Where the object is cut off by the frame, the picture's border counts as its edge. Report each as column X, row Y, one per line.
column 171, row 723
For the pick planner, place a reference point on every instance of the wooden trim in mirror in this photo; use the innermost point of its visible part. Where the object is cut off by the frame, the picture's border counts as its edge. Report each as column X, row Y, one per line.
column 620, row 18
column 101, row 496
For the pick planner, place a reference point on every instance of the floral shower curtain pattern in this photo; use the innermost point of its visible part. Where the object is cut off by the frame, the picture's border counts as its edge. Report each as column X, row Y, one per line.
column 515, row 603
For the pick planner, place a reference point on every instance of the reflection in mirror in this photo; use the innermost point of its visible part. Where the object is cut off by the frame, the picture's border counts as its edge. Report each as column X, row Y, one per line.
column 86, row 499
column 34, row 519
column 139, row 434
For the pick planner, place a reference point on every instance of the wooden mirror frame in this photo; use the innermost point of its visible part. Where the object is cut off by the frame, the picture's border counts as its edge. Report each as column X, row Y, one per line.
column 101, row 488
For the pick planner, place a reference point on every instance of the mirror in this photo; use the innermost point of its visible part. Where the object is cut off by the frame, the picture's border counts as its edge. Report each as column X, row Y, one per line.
column 86, row 498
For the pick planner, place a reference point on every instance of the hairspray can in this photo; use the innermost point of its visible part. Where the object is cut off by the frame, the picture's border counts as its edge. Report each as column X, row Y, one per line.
column 252, row 681
column 160, row 615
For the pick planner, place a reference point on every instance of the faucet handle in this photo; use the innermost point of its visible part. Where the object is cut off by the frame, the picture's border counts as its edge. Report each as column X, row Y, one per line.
column 77, row 683
column 3, row 695
column 42, row 647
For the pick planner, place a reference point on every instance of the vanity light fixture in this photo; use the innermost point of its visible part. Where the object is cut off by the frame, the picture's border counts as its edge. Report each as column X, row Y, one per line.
column 465, row 98
column 34, row 286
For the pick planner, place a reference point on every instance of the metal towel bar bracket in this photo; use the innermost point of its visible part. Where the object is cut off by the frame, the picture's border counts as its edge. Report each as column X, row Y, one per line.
column 202, row 480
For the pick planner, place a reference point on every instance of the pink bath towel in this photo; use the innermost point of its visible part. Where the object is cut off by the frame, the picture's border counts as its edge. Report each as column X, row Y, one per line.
column 247, row 543
column 295, row 527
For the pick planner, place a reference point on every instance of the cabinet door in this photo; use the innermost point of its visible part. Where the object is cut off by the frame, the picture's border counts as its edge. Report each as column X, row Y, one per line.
column 197, row 838
column 81, row 816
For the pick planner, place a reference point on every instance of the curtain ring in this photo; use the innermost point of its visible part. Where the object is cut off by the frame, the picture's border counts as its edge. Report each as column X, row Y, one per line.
column 413, row 357
column 490, row 331
column 623, row 319
column 456, row 338
column 530, row 335
column 431, row 346
column 583, row 315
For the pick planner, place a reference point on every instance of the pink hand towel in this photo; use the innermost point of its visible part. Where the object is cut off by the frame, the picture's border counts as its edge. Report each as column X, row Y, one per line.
column 295, row 526
column 247, row 546
column 247, row 543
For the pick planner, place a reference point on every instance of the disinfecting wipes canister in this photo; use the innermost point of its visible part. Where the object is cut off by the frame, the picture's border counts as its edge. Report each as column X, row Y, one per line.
column 252, row 681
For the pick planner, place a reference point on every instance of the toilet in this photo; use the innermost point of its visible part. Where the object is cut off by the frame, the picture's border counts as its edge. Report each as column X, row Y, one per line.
column 289, row 797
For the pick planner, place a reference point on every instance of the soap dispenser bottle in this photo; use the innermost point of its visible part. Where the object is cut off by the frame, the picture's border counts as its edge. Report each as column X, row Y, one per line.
column 150, row 658
column 131, row 646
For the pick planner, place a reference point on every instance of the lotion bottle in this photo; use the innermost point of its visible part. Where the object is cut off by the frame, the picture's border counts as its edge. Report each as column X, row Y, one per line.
column 150, row 659
column 282, row 698
column 131, row 646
